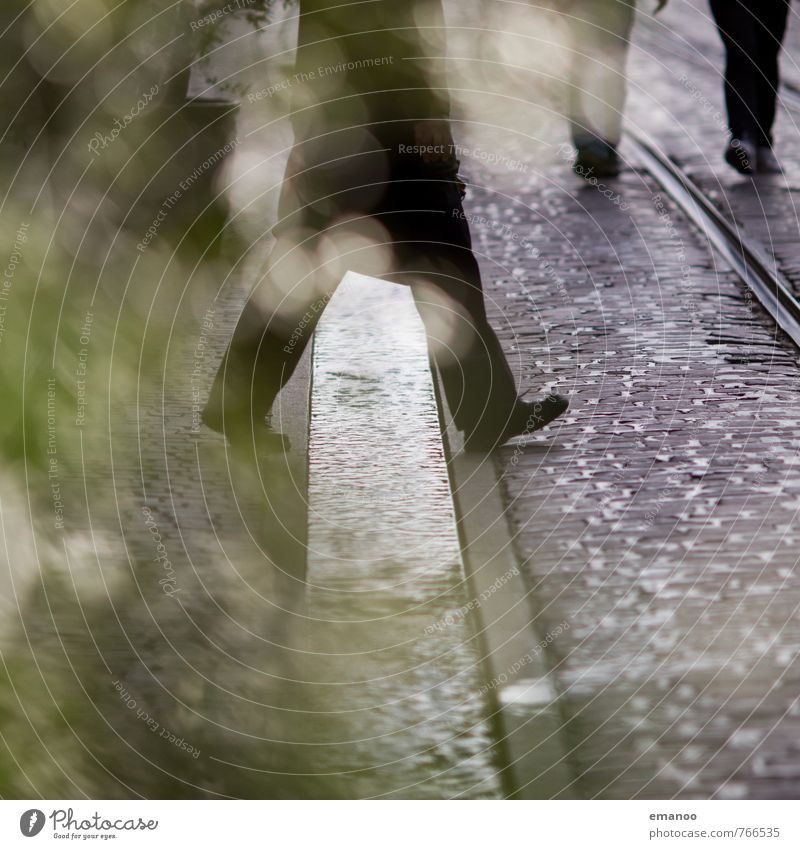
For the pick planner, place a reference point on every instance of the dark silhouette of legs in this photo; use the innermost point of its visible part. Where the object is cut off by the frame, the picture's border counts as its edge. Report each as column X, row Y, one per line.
column 752, row 32
column 426, row 236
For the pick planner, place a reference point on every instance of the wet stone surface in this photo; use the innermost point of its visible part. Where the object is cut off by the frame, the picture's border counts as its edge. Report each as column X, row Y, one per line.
column 396, row 669
column 659, row 517
column 682, row 107
column 158, row 654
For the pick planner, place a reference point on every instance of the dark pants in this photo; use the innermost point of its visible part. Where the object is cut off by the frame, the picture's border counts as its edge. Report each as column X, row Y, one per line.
column 599, row 38
column 752, row 32
column 382, row 214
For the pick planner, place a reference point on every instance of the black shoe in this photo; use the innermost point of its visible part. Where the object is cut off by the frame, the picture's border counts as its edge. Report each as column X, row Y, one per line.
column 742, row 155
column 596, row 158
column 526, row 417
column 767, row 162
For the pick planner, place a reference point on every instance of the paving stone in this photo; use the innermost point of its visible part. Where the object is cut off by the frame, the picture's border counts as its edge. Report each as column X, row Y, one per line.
column 654, row 517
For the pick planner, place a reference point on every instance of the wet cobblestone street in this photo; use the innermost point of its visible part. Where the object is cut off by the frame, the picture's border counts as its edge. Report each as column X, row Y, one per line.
column 311, row 623
column 659, row 516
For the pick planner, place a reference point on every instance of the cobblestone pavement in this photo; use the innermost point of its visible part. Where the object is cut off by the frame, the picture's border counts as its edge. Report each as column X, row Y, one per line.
column 683, row 73
column 659, row 517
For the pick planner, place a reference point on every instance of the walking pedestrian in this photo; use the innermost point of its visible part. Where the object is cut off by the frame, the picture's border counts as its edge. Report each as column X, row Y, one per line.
column 372, row 186
column 752, row 32
column 599, row 39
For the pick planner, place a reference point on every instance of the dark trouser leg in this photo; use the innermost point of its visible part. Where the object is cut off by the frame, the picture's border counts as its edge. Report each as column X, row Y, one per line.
column 280, row 316
column 423, row 215
column 267, row 345
column 477, row 380
column 270, row 337
column 772, row 16
column 737, row 29
column 434, row 253
column 599, row 41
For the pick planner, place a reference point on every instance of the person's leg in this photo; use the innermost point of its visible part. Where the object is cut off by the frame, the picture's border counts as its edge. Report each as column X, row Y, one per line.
column 579, row 46
column 770, row 21
column 477, row 380
column 434, row 254
column 326, row 180
column 614, row 25
column 738, row 33
column 596, row 86
column 268, row 342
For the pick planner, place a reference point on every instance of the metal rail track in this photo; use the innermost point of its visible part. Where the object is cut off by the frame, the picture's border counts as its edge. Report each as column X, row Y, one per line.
column 755, row 269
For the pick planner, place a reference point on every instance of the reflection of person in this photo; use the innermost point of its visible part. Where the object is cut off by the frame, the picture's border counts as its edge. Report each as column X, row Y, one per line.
column 752, row 32
column 371, row 186
column 599, row 37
